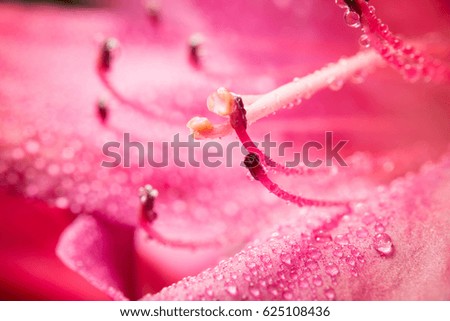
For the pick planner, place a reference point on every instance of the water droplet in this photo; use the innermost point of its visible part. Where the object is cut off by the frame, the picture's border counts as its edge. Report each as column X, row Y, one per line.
column 317, row 281
column 303, row 283
column 411, row 72
column 288, row 296
column 384, row 29
column 331, row 269
column 341, row 239
column 364, row 41
column 341, row 4
column 330, row 294
column 350, row 261
column 311, row 264
column 321, row 237
column 62, row 202
column 255, row 292
column 358, row 77
column 362, row 232
column 32, row 147
column 209, row 292
column 314, row 253
column 379, row 228
column 335, row 84
column 352, row 19
column 285, row 258
column 368, row 218
column 232, row 290
column 383, row 244
column 296, row 79
column 338, row 252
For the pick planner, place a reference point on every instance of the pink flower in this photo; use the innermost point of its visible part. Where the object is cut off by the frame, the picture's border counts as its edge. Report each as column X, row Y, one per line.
column 65, row 92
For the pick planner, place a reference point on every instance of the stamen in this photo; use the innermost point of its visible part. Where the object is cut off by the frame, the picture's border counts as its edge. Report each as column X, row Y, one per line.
column 253, row 162
column 301, row 88
column 153, row 9
column 106, row 54
column 102, row 110
column 147, row 197
column 195, row 43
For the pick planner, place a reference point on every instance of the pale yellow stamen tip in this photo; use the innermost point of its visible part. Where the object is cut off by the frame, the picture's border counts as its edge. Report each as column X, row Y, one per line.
column 200, row 126
column 220, row 102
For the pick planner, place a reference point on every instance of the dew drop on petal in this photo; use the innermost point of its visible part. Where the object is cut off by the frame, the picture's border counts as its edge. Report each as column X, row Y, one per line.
column 254, row 292
column 341, row 239
column 331, row 269
column 330, row 294
column 317, row 281
column 322, row 237
column 285, row 258
column 352, row 19
column 383, row 244
column 288, row 296
column 314, row 253
column 232, row 289
column 350, row 261
column 303, row 283
column 362, row 232
column 379, row 228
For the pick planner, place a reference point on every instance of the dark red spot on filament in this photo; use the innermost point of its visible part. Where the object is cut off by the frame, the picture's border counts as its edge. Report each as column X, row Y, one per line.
column 253, row 164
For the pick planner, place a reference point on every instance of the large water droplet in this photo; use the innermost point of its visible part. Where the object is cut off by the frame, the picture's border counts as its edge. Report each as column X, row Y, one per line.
column 383, row 244
column 352, row 19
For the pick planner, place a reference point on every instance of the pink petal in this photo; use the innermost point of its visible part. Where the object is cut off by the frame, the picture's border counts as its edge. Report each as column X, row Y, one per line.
column 97, row 251
column 394, row 247
column 53, row 96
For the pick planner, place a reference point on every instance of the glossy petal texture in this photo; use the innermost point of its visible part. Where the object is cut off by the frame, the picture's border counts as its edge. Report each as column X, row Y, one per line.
column 52, row 139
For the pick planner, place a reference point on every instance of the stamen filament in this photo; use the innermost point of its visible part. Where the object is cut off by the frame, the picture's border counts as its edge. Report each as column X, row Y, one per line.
column 301, row 88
